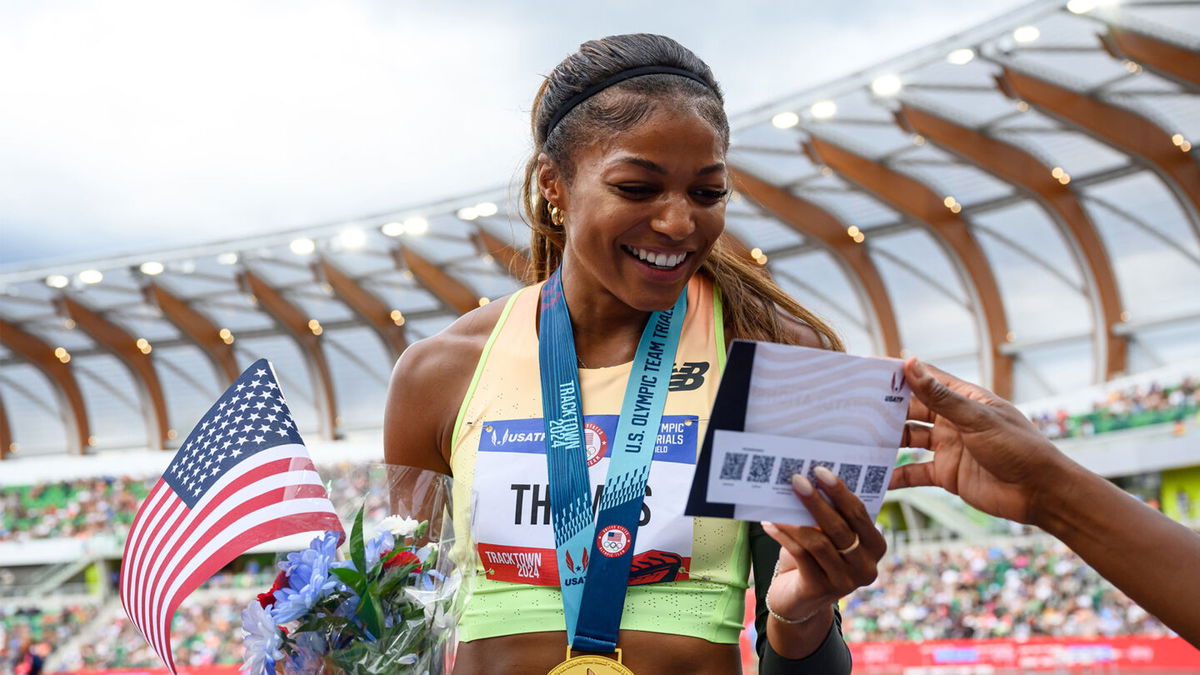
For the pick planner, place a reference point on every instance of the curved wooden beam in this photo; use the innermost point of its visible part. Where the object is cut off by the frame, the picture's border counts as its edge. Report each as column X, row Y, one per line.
column 6, row 438
column 450, row 291
column 1120, row 128
column 1170, row 61
column 118, row 342
column 950, row 229
column 296, row 323
column 197, row 328
column 515, row 262
column 1020, row 168
column 811, row 220
column 62, row 379
column 366, row 305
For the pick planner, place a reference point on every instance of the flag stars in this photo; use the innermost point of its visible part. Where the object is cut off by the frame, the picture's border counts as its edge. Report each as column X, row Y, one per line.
column 259, row 439
column 235, row 453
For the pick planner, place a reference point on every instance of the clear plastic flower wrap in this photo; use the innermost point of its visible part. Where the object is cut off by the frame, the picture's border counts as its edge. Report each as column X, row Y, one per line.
column 384, row 600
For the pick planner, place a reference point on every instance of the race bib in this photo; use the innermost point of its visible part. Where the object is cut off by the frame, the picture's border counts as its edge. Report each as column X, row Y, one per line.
column 512, row 528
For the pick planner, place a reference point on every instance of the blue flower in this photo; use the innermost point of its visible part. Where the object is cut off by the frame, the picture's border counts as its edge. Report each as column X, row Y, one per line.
column 378, row 545
column 262, row 640
column 308, row 578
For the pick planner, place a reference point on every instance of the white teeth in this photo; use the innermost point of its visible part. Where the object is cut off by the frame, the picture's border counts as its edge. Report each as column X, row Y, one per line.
column 658, row 259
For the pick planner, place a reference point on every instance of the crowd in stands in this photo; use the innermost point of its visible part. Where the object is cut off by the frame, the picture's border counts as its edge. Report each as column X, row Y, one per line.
column 1001, row 591
column 1126, row 408
column 31, row 629
column 79, row 508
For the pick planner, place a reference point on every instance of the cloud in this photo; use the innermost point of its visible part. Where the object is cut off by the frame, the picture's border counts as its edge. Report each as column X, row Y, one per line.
column 142, row 124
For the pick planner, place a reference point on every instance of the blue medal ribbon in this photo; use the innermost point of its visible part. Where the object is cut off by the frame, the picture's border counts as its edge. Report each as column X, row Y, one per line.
column 594, row 558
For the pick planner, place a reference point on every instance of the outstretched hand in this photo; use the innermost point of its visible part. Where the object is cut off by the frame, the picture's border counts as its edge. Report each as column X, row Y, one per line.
column 985, row 450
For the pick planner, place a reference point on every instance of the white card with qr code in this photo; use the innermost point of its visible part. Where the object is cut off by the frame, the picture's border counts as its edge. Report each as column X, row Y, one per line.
column 756, row 469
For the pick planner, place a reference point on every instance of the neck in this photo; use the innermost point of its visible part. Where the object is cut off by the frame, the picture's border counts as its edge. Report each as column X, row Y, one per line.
column 606, row 329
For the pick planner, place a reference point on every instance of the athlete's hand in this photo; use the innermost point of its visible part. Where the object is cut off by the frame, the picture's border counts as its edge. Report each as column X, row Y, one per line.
column 985, row 450
column 818, row 565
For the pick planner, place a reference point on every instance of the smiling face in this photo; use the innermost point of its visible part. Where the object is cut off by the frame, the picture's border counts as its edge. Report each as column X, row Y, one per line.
column 643, row 208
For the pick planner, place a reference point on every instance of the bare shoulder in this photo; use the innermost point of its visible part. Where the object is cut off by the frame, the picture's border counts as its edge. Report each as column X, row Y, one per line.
column 427, row 386
column 800, row 333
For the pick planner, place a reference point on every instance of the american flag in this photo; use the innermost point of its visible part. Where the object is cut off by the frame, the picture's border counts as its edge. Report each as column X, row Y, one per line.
column 242, row 477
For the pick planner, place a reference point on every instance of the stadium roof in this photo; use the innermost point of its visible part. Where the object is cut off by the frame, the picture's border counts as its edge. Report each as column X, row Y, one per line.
column 1019, row 203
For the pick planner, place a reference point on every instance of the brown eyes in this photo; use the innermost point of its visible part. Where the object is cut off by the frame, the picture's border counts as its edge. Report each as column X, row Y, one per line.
column 639, row 192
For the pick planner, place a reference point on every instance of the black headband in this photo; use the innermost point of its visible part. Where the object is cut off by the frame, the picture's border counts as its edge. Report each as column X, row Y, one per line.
column 614, row 79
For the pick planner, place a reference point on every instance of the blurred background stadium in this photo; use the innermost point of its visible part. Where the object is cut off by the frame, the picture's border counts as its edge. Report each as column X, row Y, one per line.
column 1018, row 203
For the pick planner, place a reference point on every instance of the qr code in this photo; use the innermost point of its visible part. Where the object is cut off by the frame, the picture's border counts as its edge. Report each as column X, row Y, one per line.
column 849, row 474
column 788, row 467
column 873, row 483
column 760, row 468
column 815, row 464
column 734, row 467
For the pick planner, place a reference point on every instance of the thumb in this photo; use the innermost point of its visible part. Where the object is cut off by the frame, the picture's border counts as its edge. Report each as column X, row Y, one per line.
column 933, row 387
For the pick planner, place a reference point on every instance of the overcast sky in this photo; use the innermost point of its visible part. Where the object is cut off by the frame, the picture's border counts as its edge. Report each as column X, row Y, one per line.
column 131, row 125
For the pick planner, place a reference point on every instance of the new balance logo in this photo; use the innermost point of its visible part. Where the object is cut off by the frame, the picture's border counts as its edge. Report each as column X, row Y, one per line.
column 688, row 376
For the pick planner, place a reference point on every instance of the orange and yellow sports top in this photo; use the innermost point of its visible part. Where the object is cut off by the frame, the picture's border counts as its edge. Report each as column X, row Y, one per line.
column 688, row 576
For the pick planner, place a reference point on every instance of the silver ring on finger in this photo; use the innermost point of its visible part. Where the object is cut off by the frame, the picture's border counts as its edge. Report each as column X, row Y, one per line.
column 852, row 547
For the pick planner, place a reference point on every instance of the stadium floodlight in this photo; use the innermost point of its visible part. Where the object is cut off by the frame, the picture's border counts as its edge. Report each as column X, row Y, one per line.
column 467, row 213
column 91, row 276
column 416, row 225
column 1026, row 34
column 228, row 258
column 886, row 85
column 785, row 120
column 823, row 110
column 57, row 281
column 961, row 57
column 485, row 209
column 303, row 246
column 352, row 238
column 1081, row 6
column 392, row 229
column 151, row 268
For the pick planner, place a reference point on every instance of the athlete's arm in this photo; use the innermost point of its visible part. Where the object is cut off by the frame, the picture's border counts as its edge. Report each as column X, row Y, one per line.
column 830, row 656
column 427, row 388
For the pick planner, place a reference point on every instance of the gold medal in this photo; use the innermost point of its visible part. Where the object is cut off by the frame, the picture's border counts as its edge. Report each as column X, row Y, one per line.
column 590, row 665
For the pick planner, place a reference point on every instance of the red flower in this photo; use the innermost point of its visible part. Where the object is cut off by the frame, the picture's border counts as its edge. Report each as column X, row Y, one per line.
column 401, row 557
column 267, row 599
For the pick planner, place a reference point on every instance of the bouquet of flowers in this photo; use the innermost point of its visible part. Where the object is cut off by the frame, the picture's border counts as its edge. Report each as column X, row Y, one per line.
column 388, row 604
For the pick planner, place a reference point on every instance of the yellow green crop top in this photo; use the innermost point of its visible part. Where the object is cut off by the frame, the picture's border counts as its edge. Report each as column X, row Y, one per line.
column 689, row 575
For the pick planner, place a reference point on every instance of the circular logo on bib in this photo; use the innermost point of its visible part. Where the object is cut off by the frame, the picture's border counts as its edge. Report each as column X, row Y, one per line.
column 613, row 541
column 596, row 442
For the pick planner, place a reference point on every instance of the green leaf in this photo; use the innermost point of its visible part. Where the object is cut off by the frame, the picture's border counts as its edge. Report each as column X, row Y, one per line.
column 358, row 552
column 371, row 613
column 352, row 578
column 394, row 579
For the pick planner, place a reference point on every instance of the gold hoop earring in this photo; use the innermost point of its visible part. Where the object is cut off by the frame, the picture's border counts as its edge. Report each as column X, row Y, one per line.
column 557, row 217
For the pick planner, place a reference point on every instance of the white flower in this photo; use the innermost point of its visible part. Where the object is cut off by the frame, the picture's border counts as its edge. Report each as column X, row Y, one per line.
column 262, row 640
column 399, row 526
column 407, row 659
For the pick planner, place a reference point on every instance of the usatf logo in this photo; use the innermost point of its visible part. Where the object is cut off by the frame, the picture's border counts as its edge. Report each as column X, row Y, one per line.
column 897, row 385
column 613, row 541
column 596, row 441
column 688, row 376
